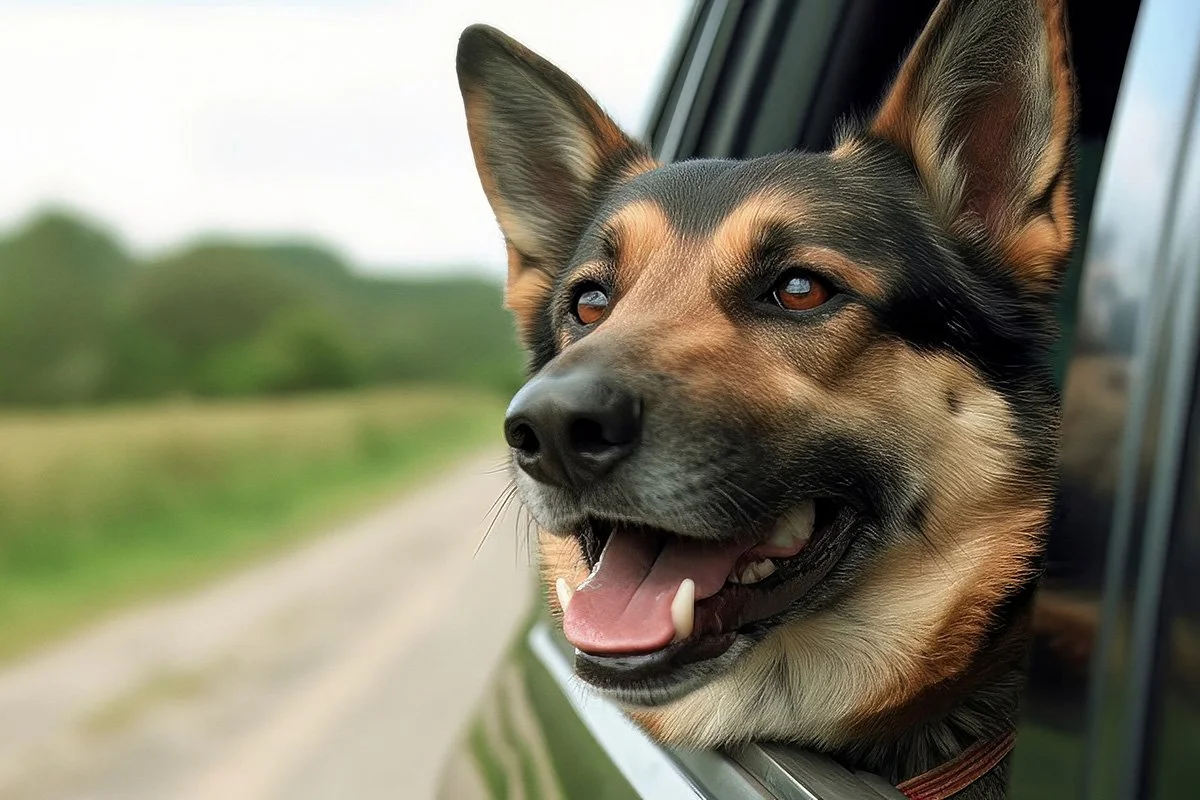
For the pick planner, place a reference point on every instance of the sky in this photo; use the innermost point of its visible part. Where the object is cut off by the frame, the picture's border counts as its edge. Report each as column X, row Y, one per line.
column 1146, row 140
column 339, row 122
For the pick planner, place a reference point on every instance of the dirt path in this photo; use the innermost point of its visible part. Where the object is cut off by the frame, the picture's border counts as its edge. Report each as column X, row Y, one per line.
column 341, row 670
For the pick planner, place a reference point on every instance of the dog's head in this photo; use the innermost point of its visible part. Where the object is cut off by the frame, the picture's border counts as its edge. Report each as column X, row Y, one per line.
column 790, row 427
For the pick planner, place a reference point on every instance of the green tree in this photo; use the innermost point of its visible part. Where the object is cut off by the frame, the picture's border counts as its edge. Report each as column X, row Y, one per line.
column 60, row 284
column 302, row 349
column 82, row 322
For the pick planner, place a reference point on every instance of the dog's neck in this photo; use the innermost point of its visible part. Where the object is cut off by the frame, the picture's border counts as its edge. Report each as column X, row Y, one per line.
column 946, row 720
column 987, row 713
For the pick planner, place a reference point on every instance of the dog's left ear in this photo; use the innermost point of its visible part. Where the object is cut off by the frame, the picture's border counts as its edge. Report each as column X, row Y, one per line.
column 984, row 106
column 546, row 154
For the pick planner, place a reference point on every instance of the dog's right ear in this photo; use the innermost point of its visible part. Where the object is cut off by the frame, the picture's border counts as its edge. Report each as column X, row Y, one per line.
column 984, row 106
column 546, row 153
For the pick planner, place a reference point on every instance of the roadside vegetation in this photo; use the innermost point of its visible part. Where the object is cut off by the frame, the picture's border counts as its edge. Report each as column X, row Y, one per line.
column 82, row 321
column 167, row 419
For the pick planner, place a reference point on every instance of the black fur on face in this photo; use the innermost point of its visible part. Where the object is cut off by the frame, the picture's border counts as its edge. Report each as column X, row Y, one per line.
column 914, row 402
column 717, row 464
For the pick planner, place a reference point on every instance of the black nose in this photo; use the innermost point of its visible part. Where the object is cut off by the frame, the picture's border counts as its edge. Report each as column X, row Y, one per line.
column 572, row 428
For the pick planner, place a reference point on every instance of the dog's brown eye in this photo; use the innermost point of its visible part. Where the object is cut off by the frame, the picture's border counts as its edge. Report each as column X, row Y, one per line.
column 800, row 291
column 590, row 305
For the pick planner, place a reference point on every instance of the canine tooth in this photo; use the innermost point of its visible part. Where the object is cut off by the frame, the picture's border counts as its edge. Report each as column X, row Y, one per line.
column 565, row 593
column 796, row 527
column 683, row 609
column 755, row 571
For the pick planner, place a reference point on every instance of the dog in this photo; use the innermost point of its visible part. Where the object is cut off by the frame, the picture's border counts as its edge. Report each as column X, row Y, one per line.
column 790, row 432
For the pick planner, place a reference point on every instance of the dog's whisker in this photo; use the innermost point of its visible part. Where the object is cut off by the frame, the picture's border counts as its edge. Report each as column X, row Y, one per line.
column 500, row 500
column 498, row 506
column 750, row 495
column 520, row 542
column 745, row 515
column 733, row 506
column 504, row 465
column 758, row 503
column 530, row 534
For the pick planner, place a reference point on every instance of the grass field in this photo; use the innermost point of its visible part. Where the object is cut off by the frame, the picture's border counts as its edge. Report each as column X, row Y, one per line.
column 99, row 509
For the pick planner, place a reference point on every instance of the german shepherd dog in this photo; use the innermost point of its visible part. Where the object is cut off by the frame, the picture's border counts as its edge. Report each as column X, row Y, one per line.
column 790, row 431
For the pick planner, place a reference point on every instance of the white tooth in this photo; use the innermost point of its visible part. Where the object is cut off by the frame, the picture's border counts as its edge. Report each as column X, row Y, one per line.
column 565, row 593
column 755, row 571
column 796, row 527
column 683, row 609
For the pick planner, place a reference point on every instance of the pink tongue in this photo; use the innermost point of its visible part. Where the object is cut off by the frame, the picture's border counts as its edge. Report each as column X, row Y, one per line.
column 625, row 606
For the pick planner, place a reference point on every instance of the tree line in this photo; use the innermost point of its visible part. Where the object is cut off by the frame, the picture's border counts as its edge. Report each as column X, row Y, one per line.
column 84, row 321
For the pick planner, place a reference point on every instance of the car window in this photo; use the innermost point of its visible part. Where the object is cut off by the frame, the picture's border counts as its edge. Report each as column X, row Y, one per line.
column 1078, row 712
column 1175, row 739
column 1165, row 671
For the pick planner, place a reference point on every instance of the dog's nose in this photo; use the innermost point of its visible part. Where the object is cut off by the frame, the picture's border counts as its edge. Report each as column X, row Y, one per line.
column 572, row 428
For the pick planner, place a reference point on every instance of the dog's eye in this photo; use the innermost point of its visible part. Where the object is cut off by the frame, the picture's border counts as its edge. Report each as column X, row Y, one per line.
column 798, row 290
column 590, row 304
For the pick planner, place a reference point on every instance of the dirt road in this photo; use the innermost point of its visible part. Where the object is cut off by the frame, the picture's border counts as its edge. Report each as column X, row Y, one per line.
column 344, row 669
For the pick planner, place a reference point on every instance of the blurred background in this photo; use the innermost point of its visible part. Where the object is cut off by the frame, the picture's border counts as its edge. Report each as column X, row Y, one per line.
column 252, row 365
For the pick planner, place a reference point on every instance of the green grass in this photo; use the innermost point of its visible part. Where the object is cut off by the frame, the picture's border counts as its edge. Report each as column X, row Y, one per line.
column 99, row 509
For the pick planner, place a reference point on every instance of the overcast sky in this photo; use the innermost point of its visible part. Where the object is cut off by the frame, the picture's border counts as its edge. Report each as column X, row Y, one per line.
column 338, row 121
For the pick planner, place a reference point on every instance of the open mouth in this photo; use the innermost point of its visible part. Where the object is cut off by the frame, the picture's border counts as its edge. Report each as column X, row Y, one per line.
column 656, row 601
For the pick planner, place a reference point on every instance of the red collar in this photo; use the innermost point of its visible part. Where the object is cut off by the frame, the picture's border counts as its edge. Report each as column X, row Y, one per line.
column 960, row 772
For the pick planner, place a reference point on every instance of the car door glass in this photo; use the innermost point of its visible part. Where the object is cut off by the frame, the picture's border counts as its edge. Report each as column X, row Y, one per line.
column 1177, row 728
column 1169, row 682
column 1107, row 431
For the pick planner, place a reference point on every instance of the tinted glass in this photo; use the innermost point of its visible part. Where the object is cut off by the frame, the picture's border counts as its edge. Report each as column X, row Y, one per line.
column 1174, row 773
column 1113, row 385
column 1174, row 683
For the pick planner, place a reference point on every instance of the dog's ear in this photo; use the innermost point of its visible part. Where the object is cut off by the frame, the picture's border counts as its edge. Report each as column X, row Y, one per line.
column 985, row 107
column 546, row 153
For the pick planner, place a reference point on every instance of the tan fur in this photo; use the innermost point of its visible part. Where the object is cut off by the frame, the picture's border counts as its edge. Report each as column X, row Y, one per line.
column 1043, row 244
column 848, row 147
column 893, row 120
column 584, row 144
column 559, row 557
column 897, row 120
column 640, row 164
column 646, row 240
column 667, row 287
column 916, row 618
column 516, row 233
column 1057, row 50
column 525, row 290
column 917, row 116
column 831, row 262
column 526, row 285
column 741, row 231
